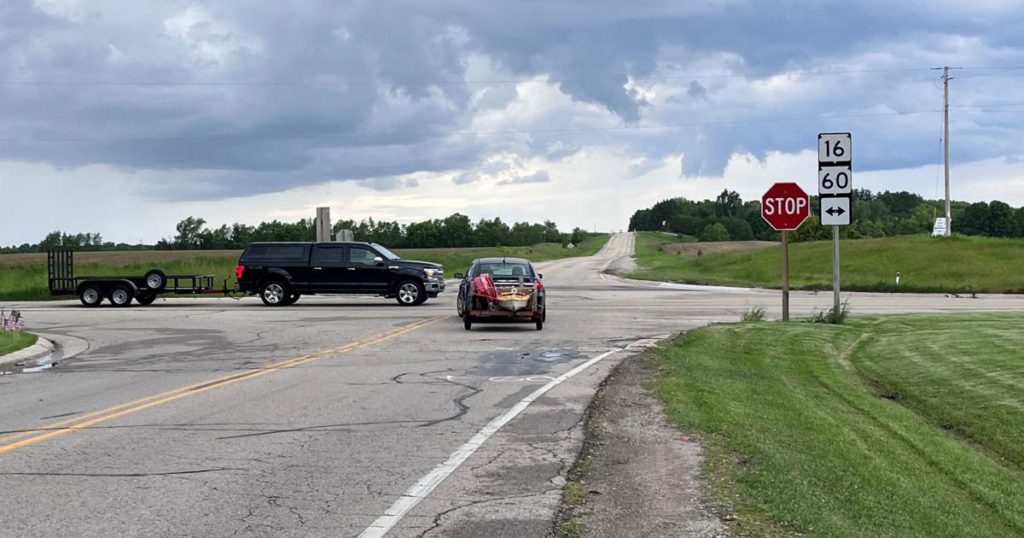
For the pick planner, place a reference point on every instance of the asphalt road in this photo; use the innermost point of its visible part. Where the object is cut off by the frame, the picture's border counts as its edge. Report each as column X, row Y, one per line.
column 215, row 417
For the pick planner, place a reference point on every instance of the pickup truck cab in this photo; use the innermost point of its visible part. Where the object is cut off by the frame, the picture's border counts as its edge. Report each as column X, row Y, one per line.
column 281, row 272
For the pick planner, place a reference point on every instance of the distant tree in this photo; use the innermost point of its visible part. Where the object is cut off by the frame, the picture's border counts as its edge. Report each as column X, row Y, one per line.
column 728, row 204
column 976, row 220
column 714, row 232
column 1018, row 222
column 52, row 239
column 1001, row 222
column 739, row 230
column 457, row 231
column 189, row 233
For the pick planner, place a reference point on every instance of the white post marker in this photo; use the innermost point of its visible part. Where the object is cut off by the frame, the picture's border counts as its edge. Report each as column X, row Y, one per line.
column 835, row 193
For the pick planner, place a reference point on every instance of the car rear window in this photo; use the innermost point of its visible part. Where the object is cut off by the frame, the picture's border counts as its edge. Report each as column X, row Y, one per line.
column 277, row 252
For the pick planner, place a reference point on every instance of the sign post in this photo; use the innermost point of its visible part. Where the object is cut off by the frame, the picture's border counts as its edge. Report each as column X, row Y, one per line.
column 835, row 193
column 785, row 207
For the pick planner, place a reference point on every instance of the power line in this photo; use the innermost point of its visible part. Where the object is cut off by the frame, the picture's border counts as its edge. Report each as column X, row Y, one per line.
column 619, row 128
column 539, row 79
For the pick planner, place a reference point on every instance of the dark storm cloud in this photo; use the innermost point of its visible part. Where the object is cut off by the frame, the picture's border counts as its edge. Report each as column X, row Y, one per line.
column 271, row 95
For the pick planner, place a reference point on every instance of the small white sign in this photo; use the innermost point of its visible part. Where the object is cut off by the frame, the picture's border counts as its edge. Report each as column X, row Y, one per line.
column 835, row 211
column 835, row 148
column 940, row 227
column 835, row 180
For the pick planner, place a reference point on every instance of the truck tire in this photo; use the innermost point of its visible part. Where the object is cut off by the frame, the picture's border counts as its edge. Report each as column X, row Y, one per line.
column 91, row 296
column 121, row 295
column 275, row 292
column 292, row 299
column 155, row 280
column 145, row 299
column 410, row 293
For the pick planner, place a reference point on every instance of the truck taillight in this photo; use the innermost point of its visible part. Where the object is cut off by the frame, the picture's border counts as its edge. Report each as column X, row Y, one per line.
column 239, row 271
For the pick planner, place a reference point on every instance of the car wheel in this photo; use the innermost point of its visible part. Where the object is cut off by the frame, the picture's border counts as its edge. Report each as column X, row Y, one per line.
column 91, row 296
column 460, row 307
column 121, row 295
column 156, row 280
column 467, row 322
column 274, row 293
column 411, row 293
column 146, row 299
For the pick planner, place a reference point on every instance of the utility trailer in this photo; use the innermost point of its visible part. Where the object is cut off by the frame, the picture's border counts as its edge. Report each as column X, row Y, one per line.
column 119, row 290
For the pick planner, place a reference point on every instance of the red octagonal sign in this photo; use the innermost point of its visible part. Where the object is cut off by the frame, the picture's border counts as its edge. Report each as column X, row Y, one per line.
column 785, row 206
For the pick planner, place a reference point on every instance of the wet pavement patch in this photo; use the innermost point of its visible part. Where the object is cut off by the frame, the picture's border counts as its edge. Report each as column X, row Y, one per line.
column 524, row 363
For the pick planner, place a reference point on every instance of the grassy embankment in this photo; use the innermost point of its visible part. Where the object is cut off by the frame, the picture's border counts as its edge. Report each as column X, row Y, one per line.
column 888, row 426
column 13, row 341
column 955, row 264
column 23, row 276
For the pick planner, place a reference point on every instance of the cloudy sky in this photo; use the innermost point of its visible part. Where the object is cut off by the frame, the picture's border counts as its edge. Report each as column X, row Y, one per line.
column 125, row 117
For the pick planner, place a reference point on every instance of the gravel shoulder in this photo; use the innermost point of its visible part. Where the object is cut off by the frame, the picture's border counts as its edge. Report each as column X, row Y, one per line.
column 636, row 475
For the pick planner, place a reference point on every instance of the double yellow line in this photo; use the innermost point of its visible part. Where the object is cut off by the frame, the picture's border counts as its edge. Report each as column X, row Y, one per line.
column 25, row 438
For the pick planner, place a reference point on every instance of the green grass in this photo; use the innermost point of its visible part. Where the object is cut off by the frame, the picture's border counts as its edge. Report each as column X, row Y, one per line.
column 13, row 341
column 897, row 426
column 23, row 276
column 955, row 264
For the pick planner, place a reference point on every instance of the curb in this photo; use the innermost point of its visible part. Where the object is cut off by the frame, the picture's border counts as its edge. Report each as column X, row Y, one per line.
column 41, row 348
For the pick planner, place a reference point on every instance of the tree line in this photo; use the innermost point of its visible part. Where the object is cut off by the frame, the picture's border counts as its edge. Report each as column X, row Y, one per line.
column 456, row 230
column 729, row 218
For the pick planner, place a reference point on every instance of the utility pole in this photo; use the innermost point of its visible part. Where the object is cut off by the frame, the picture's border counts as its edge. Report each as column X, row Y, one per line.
column 945, row 140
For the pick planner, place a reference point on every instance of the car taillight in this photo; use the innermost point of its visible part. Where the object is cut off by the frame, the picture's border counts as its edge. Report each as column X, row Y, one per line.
column 239, row 271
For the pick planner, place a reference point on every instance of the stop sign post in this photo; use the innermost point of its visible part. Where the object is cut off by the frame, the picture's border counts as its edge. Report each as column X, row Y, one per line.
column 785, row 207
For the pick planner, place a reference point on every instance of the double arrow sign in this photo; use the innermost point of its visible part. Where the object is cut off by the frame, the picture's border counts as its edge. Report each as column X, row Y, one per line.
column 835, row 178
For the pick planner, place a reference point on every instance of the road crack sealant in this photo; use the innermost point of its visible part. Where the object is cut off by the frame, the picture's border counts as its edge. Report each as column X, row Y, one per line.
column 428, row 483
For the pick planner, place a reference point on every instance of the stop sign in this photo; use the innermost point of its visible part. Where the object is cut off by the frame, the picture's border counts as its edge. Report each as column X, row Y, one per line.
column 785, row 206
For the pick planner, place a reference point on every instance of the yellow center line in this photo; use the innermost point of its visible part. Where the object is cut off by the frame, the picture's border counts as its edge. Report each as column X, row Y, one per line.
column 30, row 437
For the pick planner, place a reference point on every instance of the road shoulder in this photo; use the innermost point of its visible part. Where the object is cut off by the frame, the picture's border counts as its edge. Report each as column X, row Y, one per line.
column 636, row 474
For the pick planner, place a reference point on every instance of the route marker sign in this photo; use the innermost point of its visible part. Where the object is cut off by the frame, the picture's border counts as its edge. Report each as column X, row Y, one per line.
column 835, row 178
column 785, row 206
column 835, row 194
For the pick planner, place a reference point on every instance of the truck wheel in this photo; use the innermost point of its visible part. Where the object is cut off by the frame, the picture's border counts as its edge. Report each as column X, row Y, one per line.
column 121, row 295
column 411, row 293
column 274, row 293
column 91, row 296
column 292, row 299
column 467, row 322
column 155, row 280
column 146, row 299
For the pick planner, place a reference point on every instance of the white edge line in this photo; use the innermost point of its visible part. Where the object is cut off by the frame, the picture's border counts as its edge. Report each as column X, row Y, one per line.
column 428, row 483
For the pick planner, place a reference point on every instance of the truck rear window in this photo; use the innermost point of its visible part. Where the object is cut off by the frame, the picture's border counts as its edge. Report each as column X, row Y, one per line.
column 277, row 252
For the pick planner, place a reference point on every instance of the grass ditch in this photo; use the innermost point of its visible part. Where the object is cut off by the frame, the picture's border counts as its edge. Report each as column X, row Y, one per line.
column 885, row 426
column 23, row 276
column 957, row 264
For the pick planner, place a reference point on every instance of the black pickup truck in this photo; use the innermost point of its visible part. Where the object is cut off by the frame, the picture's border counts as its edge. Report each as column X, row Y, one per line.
column 282, row 272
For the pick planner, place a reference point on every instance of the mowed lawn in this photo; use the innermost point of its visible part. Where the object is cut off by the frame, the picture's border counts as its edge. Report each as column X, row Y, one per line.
column 13, row 341
column 955, row 264
column 23, row 276
column 899, row 426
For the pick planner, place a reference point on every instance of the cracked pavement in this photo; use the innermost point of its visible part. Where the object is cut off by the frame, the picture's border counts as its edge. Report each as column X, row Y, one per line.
column 325, row 447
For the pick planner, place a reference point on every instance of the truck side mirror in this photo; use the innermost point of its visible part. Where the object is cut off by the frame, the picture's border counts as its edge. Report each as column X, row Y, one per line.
column 378, row 261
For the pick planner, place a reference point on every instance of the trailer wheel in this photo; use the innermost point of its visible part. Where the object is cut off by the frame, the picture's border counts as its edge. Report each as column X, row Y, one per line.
column 411, row 293
column 275, row 293
column 121, row 295
column 146, row 299
column 91, row 296
column 540, row 324
column 156, row 280
column 467, row 321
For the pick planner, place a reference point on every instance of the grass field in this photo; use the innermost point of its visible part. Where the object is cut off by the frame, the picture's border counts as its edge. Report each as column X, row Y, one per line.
column 956, row 264
column 898, row 426
column 23, row 276
column 13, row 341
